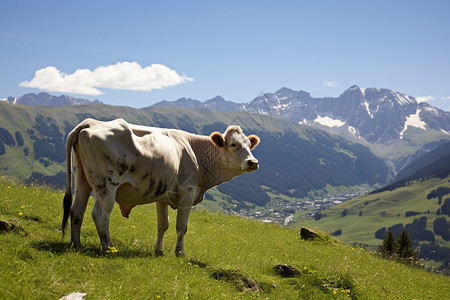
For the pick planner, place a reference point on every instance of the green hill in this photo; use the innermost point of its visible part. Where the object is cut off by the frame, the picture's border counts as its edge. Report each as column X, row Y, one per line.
column 421, row 207
column 294, row 159
column 227, row 258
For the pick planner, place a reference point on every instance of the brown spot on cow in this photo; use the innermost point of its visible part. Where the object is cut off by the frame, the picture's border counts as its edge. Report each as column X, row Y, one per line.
column 150, row 188
column 122, row 167
column 159, row 188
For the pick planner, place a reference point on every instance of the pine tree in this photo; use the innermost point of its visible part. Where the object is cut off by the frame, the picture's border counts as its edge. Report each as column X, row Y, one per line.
column 405, row 250
column 389, row 246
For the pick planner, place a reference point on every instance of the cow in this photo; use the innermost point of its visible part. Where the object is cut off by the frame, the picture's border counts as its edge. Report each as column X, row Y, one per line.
column 134, row 165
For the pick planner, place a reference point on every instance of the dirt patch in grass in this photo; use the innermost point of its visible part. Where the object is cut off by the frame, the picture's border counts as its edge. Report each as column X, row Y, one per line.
column 242, row 281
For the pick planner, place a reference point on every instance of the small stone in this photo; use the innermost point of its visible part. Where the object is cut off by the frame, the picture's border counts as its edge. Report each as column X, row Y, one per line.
column 6, row 226
column 286, row 271
column 308, row 234
column 74, row 296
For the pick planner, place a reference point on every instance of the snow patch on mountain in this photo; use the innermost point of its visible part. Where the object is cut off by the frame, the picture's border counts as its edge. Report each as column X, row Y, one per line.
column 366, row 104
column 431, row 109
column 353, row 131
column 327, row 121
column 280, row 106
column 413, row 120
column 403, row 99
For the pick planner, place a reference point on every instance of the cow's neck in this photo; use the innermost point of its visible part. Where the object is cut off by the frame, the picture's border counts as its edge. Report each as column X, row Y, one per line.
column 210, row 162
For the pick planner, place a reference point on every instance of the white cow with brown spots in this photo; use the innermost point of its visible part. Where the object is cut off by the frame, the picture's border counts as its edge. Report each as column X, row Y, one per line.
column 134, row 165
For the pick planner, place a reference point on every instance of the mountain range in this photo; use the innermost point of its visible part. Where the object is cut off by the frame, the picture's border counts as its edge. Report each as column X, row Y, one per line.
column 45, row 99
column 393, row 124
column 388, row 121
column 376, row 115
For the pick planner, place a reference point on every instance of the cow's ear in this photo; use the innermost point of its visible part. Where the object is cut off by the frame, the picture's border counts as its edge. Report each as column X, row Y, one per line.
column 217, row 139
column 254, row 140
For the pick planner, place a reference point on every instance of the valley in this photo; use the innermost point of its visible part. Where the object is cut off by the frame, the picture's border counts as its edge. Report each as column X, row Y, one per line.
column 281, row 209
column 282, row 212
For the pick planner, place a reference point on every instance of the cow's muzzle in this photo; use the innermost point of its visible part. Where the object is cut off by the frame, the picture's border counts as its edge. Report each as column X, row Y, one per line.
column 252, row 165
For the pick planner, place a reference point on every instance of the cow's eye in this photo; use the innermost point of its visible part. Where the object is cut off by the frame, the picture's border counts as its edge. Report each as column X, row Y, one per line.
column 233, row 145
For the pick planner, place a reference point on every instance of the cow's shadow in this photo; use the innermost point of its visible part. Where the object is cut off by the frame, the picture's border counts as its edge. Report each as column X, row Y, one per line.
column 91, row 250
column 94, row 251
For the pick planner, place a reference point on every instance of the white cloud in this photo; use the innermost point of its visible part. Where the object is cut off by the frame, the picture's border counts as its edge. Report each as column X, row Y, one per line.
column 329, row 83
column 425, row 98
column 121, row 76
column 445, row 98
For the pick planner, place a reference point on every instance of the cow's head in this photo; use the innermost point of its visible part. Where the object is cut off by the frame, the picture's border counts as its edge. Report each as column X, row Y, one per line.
column 237, row 148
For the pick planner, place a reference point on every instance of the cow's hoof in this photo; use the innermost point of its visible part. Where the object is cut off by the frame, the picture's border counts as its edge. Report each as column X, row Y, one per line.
column 76, row 246
column 159, row 253
column 179, row 253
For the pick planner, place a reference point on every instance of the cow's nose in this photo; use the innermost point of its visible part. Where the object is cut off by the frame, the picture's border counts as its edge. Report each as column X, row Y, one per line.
column 253, row 163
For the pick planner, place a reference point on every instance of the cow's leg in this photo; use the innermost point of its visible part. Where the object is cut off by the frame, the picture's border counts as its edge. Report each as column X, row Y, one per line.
column 77, row 211
column 162, row 211
column 182, row 221
column 82, row 192
column 101, row 212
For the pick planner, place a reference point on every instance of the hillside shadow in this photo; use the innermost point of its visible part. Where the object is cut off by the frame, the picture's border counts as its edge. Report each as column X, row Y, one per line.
column 54, row 247
column 94, row 250
column 60, row 247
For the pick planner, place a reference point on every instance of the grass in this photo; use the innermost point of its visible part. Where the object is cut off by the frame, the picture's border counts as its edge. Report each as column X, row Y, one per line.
column 226, row 258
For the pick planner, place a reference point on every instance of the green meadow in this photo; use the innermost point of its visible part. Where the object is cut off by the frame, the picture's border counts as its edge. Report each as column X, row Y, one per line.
column 227, row 257
column 366, row 214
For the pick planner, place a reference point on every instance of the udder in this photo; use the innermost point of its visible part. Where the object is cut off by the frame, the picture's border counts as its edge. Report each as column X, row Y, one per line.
column 128, row 196
column 126, row 209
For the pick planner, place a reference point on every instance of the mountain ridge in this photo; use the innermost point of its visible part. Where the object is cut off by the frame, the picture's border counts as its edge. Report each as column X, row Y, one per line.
column 45, row 99
column 362, row 110
column 430, row 163
column 385, row 120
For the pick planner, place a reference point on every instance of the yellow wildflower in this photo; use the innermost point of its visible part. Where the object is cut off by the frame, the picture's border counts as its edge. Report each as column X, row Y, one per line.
column 112, row 250
column 334, row 292
column 20, row 213
column 23, row 206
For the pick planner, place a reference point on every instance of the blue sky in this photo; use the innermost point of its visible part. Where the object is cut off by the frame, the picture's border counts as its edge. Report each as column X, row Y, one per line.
column 136, row 53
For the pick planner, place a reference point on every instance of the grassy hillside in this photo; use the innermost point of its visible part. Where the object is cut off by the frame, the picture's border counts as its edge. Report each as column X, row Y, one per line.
column 227, row 258
column 360, row 218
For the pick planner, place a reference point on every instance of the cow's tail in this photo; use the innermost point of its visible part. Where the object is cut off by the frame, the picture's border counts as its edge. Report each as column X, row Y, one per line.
column 67, row 204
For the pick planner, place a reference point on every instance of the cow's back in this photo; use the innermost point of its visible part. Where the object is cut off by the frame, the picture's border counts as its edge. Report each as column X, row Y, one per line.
column 144, row 161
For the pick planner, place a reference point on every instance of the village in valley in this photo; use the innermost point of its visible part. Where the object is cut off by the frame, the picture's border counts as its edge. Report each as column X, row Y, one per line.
column 282, row 212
